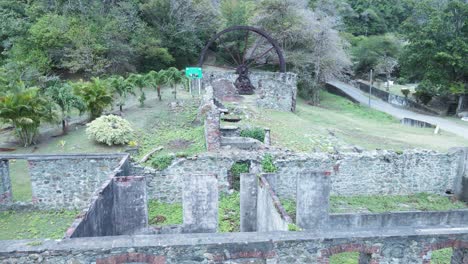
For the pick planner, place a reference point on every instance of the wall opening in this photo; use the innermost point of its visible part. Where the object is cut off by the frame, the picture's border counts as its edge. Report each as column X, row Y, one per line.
column 345, row 258
column 235, row 172
column 441, row 256
column 20, row 180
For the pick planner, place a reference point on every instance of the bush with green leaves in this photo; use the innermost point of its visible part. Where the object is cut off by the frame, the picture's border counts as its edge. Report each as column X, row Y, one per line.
column 267, row 164
column 25, row 109
column 255, row 133
column 162, row 162
column 110, row 130
column 235, row 171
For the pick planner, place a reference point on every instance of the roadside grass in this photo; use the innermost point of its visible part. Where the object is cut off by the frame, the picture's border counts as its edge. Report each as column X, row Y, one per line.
column 339, row 123
column 381, row 204
column 441, row 256
column 35, row 224
column 171, row 214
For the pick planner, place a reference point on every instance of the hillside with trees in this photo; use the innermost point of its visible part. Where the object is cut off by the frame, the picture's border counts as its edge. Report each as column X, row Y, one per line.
column 59, row 56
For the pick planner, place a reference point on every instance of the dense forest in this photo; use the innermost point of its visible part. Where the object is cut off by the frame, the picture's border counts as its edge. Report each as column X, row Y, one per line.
column 47, row 46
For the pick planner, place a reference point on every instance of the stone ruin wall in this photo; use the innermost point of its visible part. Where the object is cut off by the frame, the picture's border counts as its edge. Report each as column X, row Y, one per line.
column 65, row 181
column 384, row 247
column 368, row 173
column 276, row 91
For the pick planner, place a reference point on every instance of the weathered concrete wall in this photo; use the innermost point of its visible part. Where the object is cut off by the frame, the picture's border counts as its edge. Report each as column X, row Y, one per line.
column 274, row 90
column 398, row 246
column 368, row 173
column 461, row 182
column 118, row 208
column 397, row 220
column 416, row 123
column 5, row 182
column 69, row 181
column 130, row 213
column 271, row 216
column 248, row 202
column 313, row 199
column 200, row 203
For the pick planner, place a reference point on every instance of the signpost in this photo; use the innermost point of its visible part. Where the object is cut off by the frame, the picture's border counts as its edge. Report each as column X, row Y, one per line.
column 194, row 73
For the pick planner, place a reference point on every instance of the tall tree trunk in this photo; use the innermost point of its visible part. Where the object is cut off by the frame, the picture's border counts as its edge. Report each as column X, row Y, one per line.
column 121, row 108
column 159, row 92
column 64, row 127
column 388, row 81
column 175, row 92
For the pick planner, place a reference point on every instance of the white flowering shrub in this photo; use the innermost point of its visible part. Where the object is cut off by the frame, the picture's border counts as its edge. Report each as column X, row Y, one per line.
column 110, row 130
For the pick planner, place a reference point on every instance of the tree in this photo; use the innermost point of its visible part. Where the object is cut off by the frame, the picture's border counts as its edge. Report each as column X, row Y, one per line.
column 437, row 48
column 95, row 95
column 156, row 79
column 312, row 45
column 374, row 50
column 173, row 77
column 122, row 88
column 386, row 65
column 25, row 108
column 138, row 81
column 62, row 95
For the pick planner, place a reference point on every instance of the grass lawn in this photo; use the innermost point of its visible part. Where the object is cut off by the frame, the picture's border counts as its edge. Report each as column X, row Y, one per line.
column 171, row 214
column 381, row 204
column 156, row 124
column 441, row 256
column 35, row 224
column 338, row 123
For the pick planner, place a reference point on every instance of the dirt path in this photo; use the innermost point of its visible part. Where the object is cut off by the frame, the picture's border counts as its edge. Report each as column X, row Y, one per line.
column 399, row 113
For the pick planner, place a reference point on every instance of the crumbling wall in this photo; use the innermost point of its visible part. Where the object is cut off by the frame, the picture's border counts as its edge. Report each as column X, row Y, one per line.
column 381, row 246
column 5, row 182
column 274, row 90
column 271, row 216
column 118, row 208
column 368, row 173
column 68, row 181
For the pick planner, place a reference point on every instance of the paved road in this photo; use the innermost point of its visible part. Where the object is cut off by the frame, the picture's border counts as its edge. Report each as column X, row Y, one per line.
column 399, row 113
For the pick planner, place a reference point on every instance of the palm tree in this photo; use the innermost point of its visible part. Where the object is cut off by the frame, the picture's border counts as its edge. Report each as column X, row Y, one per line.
column 173, row 77
column 95, row 95
column 157, row 79
column 25, row 109
column 62, row 95
column 122, row 88
column 138, row 81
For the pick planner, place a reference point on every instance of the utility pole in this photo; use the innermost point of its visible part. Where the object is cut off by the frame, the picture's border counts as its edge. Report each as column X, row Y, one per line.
column 370, row 87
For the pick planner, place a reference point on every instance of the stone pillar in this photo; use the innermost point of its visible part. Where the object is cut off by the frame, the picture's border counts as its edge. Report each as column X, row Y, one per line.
column 130, row 212
column 5, row 182
column 213, row 130
column 459, row 256
column 248, row 202
column 313, row 193
column 272, row 179
column 200, row 203
column 461, row 181
column 267, row 140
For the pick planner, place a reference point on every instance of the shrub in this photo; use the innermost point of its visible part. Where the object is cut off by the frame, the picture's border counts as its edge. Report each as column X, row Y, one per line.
column 423, row 97
column 95, row 95
column 405, row 92
column 267, row 164
column 162, row 162
column 110, row 130
column 236, row 170
column 255, row 133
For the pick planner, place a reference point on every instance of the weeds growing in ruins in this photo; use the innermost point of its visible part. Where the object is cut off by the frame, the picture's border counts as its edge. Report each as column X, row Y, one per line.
column 36, row 224
column 162, row 162
column 255, row 133
column 229, row 213
column 164, row 213
column 235, row 172
column 267, row 164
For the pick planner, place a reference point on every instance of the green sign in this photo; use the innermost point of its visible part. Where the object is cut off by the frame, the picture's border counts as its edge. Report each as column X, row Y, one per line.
column 193, row 72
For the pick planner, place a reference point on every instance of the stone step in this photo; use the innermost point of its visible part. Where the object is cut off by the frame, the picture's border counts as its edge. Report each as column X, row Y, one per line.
column 241, row 143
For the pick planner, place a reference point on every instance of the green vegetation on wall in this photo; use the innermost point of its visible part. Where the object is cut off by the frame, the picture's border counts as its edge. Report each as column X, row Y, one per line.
column 235, row 172
column 255, row 133
column 268, row 165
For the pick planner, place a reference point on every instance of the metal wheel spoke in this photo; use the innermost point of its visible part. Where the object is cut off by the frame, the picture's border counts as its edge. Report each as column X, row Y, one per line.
column 230, row 53
column 259, row 57
column 245, row 45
